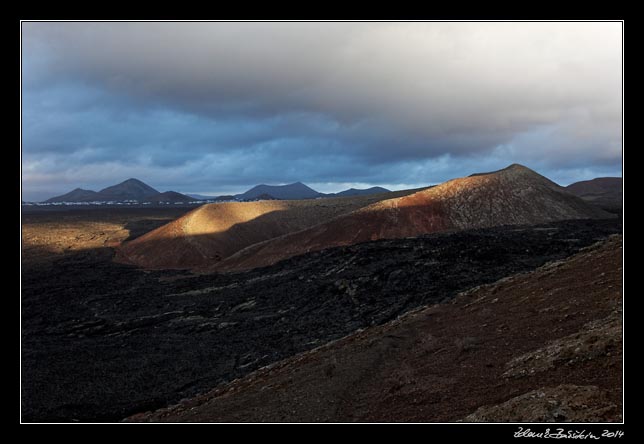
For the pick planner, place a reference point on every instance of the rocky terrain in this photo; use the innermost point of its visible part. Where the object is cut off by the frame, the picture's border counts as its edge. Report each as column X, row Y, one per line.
column 103, row 340
column 543, row 346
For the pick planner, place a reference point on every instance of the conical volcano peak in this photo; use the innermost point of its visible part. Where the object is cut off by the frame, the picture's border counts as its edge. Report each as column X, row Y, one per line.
column 132, row 180
column 517, row 168
column 514, row 168
column 129, row 189
column 515, row 176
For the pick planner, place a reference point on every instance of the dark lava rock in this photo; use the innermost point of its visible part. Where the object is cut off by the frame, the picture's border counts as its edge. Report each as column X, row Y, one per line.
column 102, row 341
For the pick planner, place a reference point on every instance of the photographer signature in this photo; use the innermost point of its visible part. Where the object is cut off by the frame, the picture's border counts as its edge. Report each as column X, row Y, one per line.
column 567, row 434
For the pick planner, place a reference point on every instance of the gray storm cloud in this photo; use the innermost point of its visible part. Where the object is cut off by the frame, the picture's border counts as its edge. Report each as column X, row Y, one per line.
column 382, row 92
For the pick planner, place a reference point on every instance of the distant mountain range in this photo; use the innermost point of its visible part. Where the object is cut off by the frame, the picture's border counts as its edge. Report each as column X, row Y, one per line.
column 603, row 192
column 359, row 192
column 168, row 196
column 131, row 189
column 291, row 191
column 134, row 189
column 203, row 196
column 298, row 190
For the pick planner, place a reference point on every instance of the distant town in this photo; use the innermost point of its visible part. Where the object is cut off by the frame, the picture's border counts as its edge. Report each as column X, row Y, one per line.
column 124, row 202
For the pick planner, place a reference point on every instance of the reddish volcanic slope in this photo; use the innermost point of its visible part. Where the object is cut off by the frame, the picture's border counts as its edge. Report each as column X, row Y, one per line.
column 239, row 236
column 215, row 231
column 544, row 346
column 514, row 195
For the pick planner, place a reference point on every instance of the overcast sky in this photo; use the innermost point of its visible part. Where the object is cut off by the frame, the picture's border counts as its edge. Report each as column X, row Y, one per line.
column 215, row 108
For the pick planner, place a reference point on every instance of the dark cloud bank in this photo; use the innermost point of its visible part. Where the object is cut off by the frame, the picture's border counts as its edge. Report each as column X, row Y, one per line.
column 219, row 107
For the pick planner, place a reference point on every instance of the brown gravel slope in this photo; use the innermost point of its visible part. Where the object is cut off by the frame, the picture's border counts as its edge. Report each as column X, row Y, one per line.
column 514, row 195
column 541, row 346
column 215, row 231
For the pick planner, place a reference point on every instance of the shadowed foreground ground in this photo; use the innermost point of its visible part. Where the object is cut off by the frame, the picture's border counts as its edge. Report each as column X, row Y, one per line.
column 102, row 341
column 541, row 346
